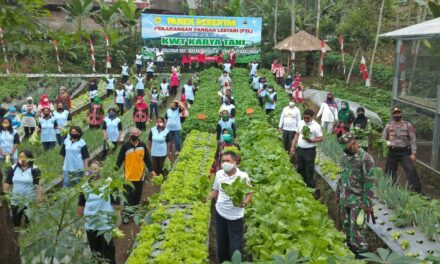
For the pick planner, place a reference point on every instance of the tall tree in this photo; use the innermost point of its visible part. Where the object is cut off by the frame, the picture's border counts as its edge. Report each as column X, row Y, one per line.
column 107, row 15
column 275, row 25
column 78, row 11
column 318, row 17
column 293, row 17
column 379, row 25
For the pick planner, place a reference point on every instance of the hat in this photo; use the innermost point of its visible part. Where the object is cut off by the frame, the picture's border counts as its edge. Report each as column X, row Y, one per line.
column 396, row 109
column 345, row 139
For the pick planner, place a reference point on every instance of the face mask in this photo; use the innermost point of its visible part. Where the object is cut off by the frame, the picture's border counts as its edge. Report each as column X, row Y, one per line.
column 134, row 138
column 226, row 137
column 174, row 107
column 270, row 91
column 112, row 115
column 225, row 118
column 154, row 91
column 60, row 109
column 5, row 125
column 397, row 118
column 361, row 115
column 227, row 166
column 74, row 136
column 228, row 103
column 29, row 101
column 329, row 97
column 160, row 125
column 343, row 107
column 291, row 104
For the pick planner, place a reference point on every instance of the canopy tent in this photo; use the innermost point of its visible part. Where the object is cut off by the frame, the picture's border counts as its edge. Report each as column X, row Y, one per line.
column 300, row 41
column 425, row 29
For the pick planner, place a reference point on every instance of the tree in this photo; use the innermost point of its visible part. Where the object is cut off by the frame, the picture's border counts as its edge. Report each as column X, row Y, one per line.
column 78, row 11
column 107, row 15
column 275, row 25
column 293, row 17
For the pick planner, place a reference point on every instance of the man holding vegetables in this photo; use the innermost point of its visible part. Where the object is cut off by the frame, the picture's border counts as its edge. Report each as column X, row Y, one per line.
column 355, row 190
column 232, row 189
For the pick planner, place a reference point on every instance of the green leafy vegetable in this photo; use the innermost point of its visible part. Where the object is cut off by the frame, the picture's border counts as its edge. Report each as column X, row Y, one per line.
column 237, row 190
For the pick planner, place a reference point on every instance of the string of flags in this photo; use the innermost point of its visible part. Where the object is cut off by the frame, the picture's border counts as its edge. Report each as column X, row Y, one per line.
column 321, row 66
column 3, row 42
column 364, row 72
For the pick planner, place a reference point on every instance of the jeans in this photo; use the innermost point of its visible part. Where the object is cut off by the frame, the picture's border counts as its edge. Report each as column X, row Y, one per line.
column 175, row 137
column 159, row 66
column 305, row 158
column 49, row 145
column 396, row 155
column 287, row 139
column 77, row 175
column 98, row 245
column 158, row 164
column 154, row 107
column 229, row 234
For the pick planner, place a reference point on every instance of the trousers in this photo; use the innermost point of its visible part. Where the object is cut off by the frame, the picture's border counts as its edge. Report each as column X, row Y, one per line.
column 396, row 156
column 287, row 139
column 229, row 235
column 98, row 245
column 355, row 233
column 305, row 158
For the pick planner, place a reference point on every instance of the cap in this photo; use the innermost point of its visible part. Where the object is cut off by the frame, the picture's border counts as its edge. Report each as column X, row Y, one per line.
column 345, row 139
column 396, row 109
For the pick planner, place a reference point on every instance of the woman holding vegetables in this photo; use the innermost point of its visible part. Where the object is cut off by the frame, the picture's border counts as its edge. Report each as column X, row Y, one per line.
column 229, row 207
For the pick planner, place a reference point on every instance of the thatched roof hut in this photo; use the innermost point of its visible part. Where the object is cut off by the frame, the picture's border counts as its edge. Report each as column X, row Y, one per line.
column 300, row 41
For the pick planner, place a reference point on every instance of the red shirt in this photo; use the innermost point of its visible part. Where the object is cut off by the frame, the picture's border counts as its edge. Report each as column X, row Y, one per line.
column 201, row 57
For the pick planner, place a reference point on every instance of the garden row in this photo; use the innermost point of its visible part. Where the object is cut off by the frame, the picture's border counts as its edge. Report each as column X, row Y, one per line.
column 407, row 222
column 176, row 230
column 283, row 215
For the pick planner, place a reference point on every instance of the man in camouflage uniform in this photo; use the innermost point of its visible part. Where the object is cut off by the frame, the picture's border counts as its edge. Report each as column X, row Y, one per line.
column 355, row 189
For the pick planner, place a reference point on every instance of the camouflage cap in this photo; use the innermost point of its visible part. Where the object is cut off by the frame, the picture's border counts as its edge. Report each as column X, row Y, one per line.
column 345, row 139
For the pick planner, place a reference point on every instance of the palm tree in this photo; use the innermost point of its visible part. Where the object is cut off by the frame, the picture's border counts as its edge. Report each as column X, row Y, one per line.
column 107, row 15
column 78, row 11
column 129, row 18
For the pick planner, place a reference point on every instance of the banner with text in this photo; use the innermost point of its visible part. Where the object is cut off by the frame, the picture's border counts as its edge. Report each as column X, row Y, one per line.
column 177, row 34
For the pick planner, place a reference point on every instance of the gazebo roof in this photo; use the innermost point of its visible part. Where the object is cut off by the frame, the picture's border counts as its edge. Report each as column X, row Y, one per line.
column 425, row 29
column 301, row 41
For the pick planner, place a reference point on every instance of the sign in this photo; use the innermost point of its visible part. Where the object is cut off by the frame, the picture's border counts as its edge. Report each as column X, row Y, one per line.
column 177, row 34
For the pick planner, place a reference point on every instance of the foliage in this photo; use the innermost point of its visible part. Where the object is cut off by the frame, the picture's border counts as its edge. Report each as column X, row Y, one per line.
column 78, row 11
column 385, row 256
column 237, row 190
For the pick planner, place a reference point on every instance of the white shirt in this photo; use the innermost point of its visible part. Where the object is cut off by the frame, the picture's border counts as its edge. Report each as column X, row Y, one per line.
column 290, row 118
column 138, row 60
column 159, row 56
column 129, row 88
column 125, row 70
column 93, row 94
column 222, row 80
column 150, row 66
column 227, row 67
column 227, row 108
column 254, row 67
column 315, row 130
column 329, row 114
column 224, row 205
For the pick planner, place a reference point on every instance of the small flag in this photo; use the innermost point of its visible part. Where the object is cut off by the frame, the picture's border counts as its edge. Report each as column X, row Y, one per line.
column 364, row 72
column 3, row 42
column 321, row 66
column 108, row 63
column 341, row 42
column 92, row 55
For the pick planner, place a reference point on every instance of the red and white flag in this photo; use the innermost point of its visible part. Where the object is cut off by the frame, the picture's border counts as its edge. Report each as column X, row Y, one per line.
column 321, row 65
column 108, row 63
column 341, row 42
column 3, row 42
column 364, row 72
column 55, row 46
column 92, row 55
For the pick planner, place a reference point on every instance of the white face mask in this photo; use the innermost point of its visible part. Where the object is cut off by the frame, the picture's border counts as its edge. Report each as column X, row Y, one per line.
column 291, row 104
column 228, row 167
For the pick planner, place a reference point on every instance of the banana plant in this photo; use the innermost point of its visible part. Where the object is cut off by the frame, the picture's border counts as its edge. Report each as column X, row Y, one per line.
column 78, row 11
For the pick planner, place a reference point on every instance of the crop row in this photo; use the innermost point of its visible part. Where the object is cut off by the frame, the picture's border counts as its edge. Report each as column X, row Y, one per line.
column 283, row 215
column 176, row 231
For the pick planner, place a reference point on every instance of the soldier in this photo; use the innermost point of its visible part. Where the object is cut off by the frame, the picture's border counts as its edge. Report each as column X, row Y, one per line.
column 401, row 140
column 355, row 191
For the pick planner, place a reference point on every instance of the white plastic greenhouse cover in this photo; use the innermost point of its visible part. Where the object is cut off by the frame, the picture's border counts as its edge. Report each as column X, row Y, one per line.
column 317, row 97
column 427, row 28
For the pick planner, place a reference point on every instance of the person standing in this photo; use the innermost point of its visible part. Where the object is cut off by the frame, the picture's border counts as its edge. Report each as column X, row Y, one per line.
column 355, row 191
column 255, row 83
column 188, row 89
column 174, row 82
column 309, row 134
column 138, row 61
column 229, row 217
column 232, row 57
column 129, row 94
column 135, row 156
column 47, row 127
column 111, row 82
column 223, row 79
column 328, row 112
column 228, row 141
column 160, row 59
column 96, row 114
column 401, row 136
column 140, row 85
column 361, row 128
column 112, row 129
column 154, row 103
column 76, row 156
column 98, row 209
column 201, row 59
column 15, row 119
column 186, row 61
column 174, row 124
column 227, row 67
column 62, row 116
column 150, row 70
column 220, row 59
column 253, row 70
column 24, row 177
column 124, row 73
column 229, row 107
column 225, row 122
column 159, row 143
column 9, row 141
column 288, row 84
column 29, row 121
column 261, row 94
column 44, row 103
column 345, row 115
column 288, row 125
column 120, row 99
column 140, row 114
column 271, row 99
column 93, row 90
column 164, row 91
column 64, row 98
column 279, row 73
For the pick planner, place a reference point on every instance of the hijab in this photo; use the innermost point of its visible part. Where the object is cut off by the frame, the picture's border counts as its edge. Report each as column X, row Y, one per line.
column 43, row 102
column 330, row 102
column 360, row 121
column 142, row 105
column 230, row 132
column 343, row 113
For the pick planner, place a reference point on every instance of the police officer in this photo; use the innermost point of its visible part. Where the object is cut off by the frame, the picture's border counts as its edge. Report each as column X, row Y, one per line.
column 355, row 191
column 401, row 140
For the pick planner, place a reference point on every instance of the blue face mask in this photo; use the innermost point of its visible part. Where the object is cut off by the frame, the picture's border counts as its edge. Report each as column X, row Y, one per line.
column 112, row 115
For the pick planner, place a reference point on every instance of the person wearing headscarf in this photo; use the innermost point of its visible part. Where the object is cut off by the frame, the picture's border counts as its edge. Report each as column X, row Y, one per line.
column 15, row 119
column 29, row 112
column 96, row 113
column 288, row 84
column 328, row 112
column 44, row 103
column 345, row 115
column 9, row 141
column 228, row 141
column 47, row 128
column 140, row 114
column 64, row 98
column 361, row 128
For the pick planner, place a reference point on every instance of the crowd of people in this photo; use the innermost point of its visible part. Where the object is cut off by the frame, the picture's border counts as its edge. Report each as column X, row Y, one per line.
column 301, row 134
